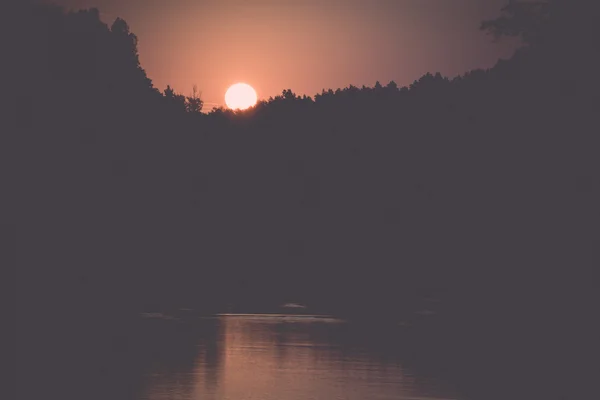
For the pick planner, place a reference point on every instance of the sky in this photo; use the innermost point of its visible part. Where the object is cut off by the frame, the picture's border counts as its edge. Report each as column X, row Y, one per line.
column 303, row 45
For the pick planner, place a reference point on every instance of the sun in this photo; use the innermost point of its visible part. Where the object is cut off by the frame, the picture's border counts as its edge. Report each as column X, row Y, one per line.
column 240, row 96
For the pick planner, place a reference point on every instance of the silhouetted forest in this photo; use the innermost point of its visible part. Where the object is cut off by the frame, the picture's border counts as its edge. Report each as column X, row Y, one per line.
column 474, row 197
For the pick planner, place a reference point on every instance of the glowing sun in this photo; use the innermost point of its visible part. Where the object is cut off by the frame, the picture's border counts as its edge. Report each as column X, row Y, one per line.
column 240, row 96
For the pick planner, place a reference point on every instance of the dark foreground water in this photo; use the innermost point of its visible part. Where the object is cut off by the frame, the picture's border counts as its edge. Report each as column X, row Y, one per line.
column 280, row 358
column 95, row 357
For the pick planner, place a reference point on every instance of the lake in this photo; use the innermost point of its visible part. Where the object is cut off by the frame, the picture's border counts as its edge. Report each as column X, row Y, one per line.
column 267, row 357
column 281, row 357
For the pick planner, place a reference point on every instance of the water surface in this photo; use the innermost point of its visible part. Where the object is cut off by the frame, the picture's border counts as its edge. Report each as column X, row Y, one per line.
column 280, row 358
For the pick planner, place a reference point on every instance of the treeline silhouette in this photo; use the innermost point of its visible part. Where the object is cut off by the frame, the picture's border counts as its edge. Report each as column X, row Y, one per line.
column 473, row 198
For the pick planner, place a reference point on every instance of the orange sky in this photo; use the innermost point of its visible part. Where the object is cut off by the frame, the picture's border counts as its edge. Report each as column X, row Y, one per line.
column 304, row 45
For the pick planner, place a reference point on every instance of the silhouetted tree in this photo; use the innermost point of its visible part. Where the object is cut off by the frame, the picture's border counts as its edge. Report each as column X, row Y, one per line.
column 547, row 23
column 194, row 103
column 524, row 19
column 175, row 101
column 125, row 58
